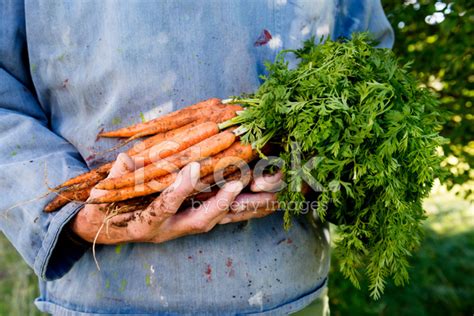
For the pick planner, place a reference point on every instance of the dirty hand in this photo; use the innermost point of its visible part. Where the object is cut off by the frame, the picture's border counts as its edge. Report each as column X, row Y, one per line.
column 258, row 204
column 160, row 222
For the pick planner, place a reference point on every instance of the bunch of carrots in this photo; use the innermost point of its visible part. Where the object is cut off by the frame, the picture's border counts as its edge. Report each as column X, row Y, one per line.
column 348, row 114
column 168, row 143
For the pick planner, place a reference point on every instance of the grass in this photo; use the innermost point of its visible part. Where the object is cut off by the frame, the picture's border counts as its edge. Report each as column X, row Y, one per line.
column 18, row 284
column 441, row 278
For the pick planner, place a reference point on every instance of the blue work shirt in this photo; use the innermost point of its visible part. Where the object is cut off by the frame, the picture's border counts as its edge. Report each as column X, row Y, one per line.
column 69, row 69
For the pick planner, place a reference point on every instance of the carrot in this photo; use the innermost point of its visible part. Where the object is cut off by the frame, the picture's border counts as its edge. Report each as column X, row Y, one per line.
column 229, row 111
column 158, row 138
column 140, row 203
column 161, row 126
column 211, row 191
column 166, row 122
column 229, row 173
column 96, row 178
column 65, row 197
column 234, row 155
column 218, row 115
column 178, row 143
column 138, row 190
column 132, row 205
column 215, row 113
column 100, row 173
column 201, row 197
column 191, row 116
column 206, row 148
column 210, row 178
column 179, row 119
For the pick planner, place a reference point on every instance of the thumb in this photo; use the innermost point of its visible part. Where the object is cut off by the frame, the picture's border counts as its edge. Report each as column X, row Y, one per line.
column 124, row 164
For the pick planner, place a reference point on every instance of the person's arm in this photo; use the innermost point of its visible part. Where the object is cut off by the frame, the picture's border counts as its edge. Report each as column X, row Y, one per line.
column 31, row 157
column 379, row 26
column 162, row 219
column 361, row 16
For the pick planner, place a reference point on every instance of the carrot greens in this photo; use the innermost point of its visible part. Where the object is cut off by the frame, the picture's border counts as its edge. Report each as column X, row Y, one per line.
column 363, row 129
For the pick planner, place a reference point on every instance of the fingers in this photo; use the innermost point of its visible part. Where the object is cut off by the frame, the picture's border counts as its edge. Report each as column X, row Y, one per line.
column 246, row 215
column 171, row 199
column 251, row 205
column 267, row 183
column 203, row 218
column 90, row 219
column 122, row 165
column 254, row 201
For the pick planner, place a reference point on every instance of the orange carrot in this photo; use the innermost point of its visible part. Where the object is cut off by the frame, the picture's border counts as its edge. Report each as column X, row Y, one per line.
column 217, row 117
column 208, row 185
column 132, row 205
column 229, row 173
column 138, row 190
column 166, row 122
column 212, row 191
column 234, row 155
column 229, row 111
column 178, row 143
column 100, row 173
column 65, row 197
column 219, row 114
column 176, row 120
column 158, row 138
column 191, row 116
column 206, row 148
column 141, row 203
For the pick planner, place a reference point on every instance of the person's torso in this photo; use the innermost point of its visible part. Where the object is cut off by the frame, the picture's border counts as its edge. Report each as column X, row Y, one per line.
column 102, row 65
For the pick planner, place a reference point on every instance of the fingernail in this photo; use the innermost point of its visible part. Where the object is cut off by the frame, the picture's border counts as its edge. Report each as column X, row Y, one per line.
column 195, row 171
column 233, row 186
column 126, row 161
column 179, row 178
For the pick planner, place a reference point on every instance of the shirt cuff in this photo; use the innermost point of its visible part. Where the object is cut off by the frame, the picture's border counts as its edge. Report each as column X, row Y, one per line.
column 61, row 248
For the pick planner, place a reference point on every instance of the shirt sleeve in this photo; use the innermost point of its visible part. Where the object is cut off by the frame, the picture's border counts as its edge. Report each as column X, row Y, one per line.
column 363, row 16
column 32, row 158
column 379, row 25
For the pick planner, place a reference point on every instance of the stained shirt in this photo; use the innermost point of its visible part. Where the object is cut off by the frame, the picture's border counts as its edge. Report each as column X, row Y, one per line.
column 69, row 69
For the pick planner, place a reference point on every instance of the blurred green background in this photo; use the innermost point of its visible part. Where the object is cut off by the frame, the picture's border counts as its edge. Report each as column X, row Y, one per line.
column 437, row 37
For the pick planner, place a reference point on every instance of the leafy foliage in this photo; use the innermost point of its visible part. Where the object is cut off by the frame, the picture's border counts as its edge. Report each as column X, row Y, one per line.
column 438, row 36
column 440, row 272
column 363, row 129
column 18, row 283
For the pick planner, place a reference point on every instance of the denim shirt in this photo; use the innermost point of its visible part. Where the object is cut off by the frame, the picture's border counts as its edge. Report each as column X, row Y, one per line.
column 70, row 69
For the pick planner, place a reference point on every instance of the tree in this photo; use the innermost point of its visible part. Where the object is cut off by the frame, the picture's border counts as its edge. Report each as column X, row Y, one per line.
column 437, row 36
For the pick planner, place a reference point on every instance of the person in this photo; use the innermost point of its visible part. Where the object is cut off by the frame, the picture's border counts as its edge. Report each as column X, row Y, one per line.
column 71, row 69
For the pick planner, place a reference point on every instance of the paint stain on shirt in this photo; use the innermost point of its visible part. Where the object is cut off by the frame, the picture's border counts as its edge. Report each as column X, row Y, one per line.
column 229, row 265
column 116, row 120
column 208, row 273
column 123, row 285
column 263, row 38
